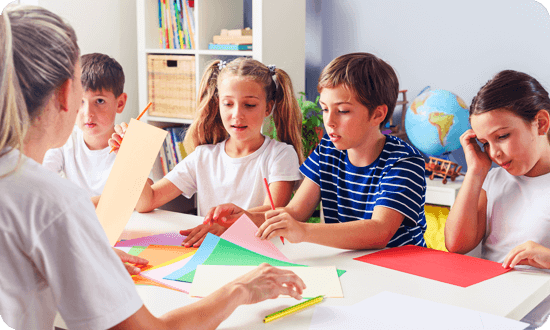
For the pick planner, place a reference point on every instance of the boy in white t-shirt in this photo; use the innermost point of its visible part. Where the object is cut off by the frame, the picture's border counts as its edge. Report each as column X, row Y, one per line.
column 85, row 157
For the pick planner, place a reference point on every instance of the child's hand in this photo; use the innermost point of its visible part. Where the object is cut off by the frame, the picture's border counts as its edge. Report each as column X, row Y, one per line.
column 196, row 235
column 128, row 259
column 116, row 138
column 268, row 282
column 528, row 253
column 224, row 215
column 280, row 223
column 478, row 161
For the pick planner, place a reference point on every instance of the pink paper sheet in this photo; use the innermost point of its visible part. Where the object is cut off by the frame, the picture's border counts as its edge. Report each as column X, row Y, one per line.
column 243, row 233
column 160, row 239
column 447, row 267
column 157, row 275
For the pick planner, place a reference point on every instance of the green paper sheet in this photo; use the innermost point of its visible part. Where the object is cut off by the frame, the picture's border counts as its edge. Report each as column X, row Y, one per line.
column 135, row 250
column 229, row 254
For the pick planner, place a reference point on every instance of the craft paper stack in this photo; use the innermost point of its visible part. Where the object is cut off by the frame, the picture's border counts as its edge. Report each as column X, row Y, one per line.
column 245, row 250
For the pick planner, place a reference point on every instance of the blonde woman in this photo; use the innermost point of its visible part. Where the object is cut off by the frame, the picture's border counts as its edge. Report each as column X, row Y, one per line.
column 55, row 254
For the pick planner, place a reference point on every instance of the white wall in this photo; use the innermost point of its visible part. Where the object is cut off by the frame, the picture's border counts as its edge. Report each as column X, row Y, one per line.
column 452, row 45
column 104, row 26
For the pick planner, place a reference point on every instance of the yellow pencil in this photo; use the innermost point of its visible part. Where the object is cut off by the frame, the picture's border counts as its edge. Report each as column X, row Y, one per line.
column 293, row 309
column 140, row 115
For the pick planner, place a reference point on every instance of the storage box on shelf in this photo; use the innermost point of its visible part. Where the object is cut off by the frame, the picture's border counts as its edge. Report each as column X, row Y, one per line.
column 171, row 85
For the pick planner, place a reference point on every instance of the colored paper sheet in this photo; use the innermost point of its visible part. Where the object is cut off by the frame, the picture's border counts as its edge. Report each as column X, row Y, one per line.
column 160, row 239
column 140, row 280
column 243, row 233
column 158, row 274
column 160, row 254
column 133, row 163
column 452, row 268
column 318, row 280
column 207, row 246
column 230, row 254
column 136, row 250
column 379, row 313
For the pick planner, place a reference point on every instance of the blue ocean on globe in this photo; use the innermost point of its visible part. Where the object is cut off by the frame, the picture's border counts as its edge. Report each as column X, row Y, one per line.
column 435, row 120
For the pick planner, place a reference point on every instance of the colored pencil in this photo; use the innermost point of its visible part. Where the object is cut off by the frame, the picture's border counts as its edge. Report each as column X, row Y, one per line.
column 138, row 118
column 293, row 309
column 272, row 204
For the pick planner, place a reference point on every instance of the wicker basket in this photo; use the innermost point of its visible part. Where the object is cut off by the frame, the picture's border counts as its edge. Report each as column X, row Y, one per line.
column 172, row 85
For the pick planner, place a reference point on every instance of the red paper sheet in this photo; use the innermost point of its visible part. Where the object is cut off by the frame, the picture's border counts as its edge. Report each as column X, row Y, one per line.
column 452, row 268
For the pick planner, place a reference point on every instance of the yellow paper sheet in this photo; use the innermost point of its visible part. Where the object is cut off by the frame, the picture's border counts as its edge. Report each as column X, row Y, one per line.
column 318, row 280
column 135, row 158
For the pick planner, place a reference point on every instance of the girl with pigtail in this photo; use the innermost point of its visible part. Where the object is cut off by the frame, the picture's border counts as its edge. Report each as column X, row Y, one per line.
column 228, row 156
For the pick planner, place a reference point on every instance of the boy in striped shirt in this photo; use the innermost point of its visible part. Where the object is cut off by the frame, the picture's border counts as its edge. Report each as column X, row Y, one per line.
column 372, row 186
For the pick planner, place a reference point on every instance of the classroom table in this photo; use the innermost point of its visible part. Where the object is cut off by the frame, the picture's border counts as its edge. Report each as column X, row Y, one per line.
column 511, row 295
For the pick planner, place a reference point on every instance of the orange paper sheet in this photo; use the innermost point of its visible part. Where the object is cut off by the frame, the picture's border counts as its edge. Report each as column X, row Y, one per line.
column 160, row 255
column 452, row 268
column 133, row 163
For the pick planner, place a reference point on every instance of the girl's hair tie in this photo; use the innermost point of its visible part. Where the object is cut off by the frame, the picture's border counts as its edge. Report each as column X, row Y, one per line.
column 272, row 68
column 221, row 65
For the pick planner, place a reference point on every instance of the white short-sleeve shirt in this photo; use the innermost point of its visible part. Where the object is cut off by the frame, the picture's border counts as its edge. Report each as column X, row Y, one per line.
column 55, row 254
column 218, row 178
column 88, row 169
column 518, row 210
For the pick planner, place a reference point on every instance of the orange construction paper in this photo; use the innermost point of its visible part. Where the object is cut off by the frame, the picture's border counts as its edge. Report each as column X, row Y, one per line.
column 134, row 161
column 447, row 267
column 160, row 254
column 140, row 280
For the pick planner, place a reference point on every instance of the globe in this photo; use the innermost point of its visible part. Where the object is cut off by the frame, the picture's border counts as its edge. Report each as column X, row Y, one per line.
column 435, row 120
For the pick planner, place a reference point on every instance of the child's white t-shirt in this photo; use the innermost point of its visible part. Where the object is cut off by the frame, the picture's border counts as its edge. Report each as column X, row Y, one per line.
column 218, row 178
column 88, row 169
column 55, row 255
column 518, row 210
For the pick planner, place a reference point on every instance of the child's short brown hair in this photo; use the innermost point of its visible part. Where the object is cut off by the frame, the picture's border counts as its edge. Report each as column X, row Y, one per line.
column 101, row 72
column 369, row 78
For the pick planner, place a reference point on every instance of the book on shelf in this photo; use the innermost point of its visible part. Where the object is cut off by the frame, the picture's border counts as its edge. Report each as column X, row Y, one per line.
column 229, row 47
column 176, row 24
column 233, row 40
column 172, row 151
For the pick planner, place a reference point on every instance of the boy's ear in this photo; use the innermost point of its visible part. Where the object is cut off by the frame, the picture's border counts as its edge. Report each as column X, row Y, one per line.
column 62, row 95
column 121, row 102
column 379, row 114
column 543, row 121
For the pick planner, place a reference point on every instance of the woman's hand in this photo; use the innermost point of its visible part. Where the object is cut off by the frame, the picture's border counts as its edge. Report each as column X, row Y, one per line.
column 477, row 160
column 128, row 259
column 268, row 282
column 528, row 253
column 279, row 223
column 116, row 138
column 224, row 215
column 195, row 236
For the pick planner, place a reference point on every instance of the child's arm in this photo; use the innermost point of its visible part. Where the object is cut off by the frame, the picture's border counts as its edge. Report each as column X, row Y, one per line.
column 221, row 217
column 157, row 194
column 465, row 225
column 528, row 253
column 363, row 234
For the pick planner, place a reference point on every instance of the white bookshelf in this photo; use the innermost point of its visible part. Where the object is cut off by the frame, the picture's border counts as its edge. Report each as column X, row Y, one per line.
column 278, row 38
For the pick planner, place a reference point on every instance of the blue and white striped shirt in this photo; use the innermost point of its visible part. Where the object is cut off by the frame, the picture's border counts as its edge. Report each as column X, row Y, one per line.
column 394, row 180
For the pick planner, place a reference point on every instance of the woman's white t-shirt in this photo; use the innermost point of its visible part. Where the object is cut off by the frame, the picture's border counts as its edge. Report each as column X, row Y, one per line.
column 55, row 255
column 218, row 178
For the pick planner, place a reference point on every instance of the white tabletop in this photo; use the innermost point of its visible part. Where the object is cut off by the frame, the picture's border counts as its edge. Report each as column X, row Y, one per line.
column 511, row 295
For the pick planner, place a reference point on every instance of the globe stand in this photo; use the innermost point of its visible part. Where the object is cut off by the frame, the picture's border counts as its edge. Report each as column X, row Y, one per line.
column 443, row 168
